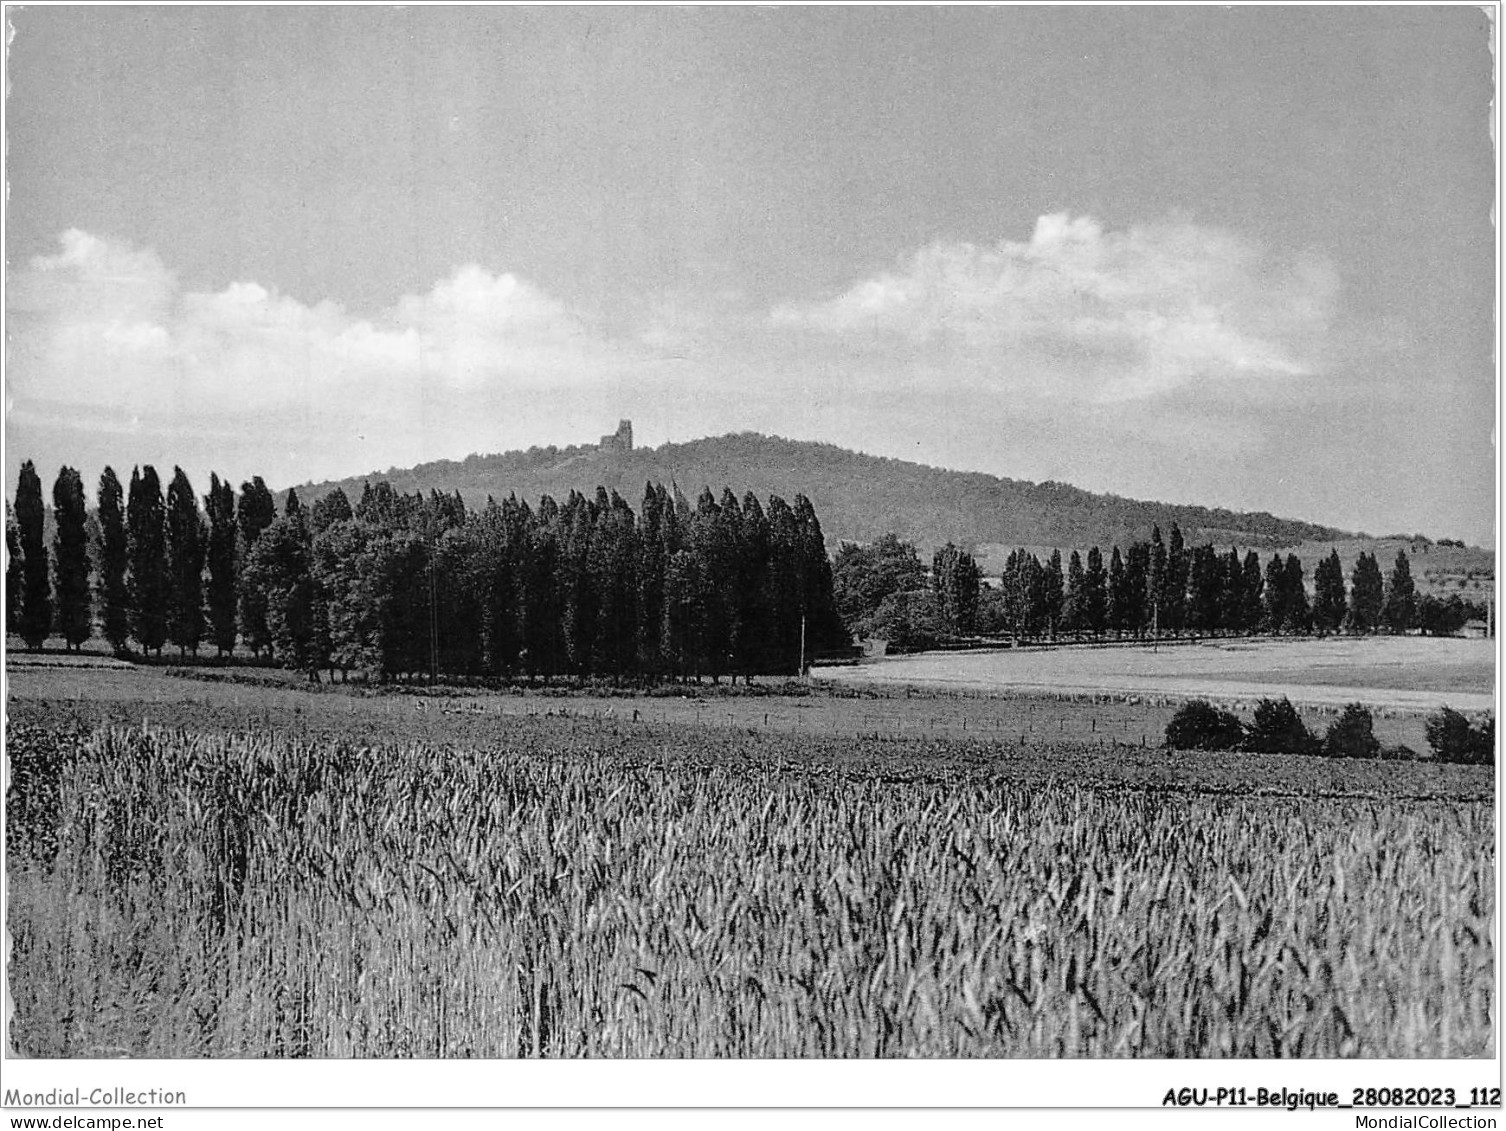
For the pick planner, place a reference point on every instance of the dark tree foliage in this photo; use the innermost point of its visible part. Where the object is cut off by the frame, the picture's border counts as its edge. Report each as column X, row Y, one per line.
column 1294, row 601
column 112, row 595
column 1198, row 725
column 1074, row 612
column 824, row 630
column 255, row 511
column 1206, row 590
column 147, row 553
column 1453, row 739
column 328, row 510
column 413, row 586
column 186, row 543
column 1136, row 588
column 1174, row 599
column 1330, row 601
column 654, row 545
column 280, row 567
column 863, row 577
column 70, row 559
column 220, row 596
column 1352, row 734
column 1400, row 609
column 13, row 571
column 1277, row 728
column 1441, row 617
column 1155, row 581
column 35, row 622
column 1095, row 598
column 1118, row 594
column 910, row 621
column 754, row 611
column 1275, row 594
column 1026, row 597
column 1252, row 591
column 1366, row 594
column 1055, row 593
column 581, row 589
column 1233, row 616
column 956, row 578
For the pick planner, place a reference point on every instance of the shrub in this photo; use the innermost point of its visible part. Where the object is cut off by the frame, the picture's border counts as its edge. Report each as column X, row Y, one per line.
column 1199, row 725
column 1278, row 729
column 1454, row 740
column 1352, row 734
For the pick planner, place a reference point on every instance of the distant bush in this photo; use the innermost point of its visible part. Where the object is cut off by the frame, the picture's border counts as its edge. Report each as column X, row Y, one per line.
column 1278, row 729
column 1453, row 739
column 1401, row 752
column 1352, row 735
column 1199, row 725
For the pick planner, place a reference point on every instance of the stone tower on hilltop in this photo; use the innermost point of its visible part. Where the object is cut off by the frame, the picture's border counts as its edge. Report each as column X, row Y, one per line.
column 620, row 440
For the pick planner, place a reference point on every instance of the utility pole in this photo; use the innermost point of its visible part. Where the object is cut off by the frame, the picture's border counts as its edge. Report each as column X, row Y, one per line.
column 802, row 646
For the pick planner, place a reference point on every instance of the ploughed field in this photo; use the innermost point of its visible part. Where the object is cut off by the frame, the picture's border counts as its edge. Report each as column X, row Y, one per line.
column 199, row 869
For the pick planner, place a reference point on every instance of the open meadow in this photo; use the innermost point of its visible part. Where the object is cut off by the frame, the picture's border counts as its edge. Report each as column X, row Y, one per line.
column 1398, row 674
column 215, row 867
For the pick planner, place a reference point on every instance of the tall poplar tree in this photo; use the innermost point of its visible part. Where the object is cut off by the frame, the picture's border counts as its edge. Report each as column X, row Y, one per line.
column 1155, row 582
column 113, row 596
column 1400, row 611
column 1298, row 614
column 1275, row 594
column 186, row 538
column 1137, row 587
column 255, row 512
column 147, row 555
column 1329, row 599
column 70, row 560
column 1118, row 594
column 1095, row 603
column 1366, row 594
column 1074, row 604
column 1233, row 614
column 1252, row 591
column 1174, row 600
column 220, row 599
column 1055, row 592
column 36, row 599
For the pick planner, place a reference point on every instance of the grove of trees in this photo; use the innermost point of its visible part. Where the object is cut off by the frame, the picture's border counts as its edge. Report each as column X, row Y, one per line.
column 402, row 586
column 1155, row 588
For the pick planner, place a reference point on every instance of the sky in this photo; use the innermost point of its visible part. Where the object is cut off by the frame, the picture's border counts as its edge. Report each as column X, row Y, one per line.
column 1237, row 257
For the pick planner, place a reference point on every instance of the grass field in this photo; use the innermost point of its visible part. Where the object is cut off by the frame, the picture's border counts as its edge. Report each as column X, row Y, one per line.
column 1398, row 674
column 208, row 868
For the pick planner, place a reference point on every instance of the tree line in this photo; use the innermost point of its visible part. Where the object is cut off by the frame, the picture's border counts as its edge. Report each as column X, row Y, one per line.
column 401, row 586
column 1155, row 588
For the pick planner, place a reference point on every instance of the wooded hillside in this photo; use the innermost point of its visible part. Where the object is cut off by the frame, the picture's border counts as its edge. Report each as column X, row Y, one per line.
column 859, row 497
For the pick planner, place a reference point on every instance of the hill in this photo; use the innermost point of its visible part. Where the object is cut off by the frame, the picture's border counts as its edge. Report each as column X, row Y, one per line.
column 859, row 497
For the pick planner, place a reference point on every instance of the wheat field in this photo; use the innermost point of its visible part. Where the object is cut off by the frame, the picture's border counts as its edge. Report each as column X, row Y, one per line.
column 174, row 894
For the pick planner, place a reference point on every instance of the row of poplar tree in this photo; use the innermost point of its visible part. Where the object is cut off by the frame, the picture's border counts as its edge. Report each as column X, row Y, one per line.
column 1161, row 587
column 399, row 585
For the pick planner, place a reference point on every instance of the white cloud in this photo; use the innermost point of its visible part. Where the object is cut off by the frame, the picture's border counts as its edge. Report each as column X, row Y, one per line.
column 106, row 328
column 1076, row 331
column 1085, row 313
